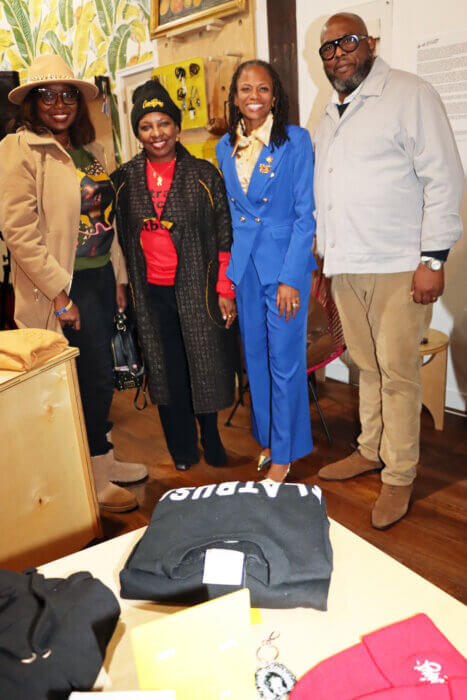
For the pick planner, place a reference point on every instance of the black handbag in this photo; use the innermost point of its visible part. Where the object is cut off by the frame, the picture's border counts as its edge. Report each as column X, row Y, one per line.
column 129, row 372
column 53, row 633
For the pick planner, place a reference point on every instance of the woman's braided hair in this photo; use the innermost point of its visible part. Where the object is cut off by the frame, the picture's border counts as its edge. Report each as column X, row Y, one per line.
column 280, row 109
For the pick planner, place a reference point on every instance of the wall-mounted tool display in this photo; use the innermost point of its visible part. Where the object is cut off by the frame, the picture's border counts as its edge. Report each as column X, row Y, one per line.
column 185, row 82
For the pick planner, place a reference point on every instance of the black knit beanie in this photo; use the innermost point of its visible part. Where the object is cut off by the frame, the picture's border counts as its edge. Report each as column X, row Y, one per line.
column 153, row 97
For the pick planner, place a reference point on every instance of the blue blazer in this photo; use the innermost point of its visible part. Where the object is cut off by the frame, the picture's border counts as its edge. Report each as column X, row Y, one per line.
column 274, row 222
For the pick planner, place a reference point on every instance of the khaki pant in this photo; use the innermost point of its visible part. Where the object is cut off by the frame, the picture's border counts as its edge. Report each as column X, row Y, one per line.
column 383, row 328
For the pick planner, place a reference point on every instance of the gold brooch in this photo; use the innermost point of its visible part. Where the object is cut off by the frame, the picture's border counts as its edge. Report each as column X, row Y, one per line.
column 269, row 159
column 264, row 168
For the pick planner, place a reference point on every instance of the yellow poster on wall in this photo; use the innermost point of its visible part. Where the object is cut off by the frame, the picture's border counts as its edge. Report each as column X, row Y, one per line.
column 185, row 83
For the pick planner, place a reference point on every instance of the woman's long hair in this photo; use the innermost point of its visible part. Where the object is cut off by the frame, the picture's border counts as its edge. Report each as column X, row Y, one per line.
column 82, row 131
column 280, row 109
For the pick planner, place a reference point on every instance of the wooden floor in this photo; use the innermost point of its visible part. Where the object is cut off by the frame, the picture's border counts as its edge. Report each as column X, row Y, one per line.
column 431, row 540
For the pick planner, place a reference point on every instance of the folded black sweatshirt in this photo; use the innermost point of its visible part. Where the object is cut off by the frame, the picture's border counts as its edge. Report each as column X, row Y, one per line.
column 282, row 529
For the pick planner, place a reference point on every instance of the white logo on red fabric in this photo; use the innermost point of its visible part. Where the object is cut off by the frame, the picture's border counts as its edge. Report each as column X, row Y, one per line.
column 431, row 672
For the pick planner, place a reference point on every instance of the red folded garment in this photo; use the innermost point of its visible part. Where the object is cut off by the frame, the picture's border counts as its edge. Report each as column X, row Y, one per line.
column 409, row 660
column 455, row 689
column 417, row 692
column 414, row 651
column 342, row 677
column 458, row 688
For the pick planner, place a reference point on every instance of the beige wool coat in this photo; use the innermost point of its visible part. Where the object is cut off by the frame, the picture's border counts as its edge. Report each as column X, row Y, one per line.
column 40, row 203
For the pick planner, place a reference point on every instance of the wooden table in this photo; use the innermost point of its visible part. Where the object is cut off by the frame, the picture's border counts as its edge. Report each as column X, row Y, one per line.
column 49, row 504
column 368, row 590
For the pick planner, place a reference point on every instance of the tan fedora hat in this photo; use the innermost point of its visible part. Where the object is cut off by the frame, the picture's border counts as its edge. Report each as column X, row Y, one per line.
column 47, row 69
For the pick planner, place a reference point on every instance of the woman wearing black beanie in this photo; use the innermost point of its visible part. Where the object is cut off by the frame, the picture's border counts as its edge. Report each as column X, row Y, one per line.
column 175, row 230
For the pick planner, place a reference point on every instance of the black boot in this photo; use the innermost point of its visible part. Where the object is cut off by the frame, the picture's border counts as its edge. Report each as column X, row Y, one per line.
column 214, row 452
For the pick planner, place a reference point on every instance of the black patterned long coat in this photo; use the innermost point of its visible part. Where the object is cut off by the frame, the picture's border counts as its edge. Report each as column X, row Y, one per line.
column 197, row 215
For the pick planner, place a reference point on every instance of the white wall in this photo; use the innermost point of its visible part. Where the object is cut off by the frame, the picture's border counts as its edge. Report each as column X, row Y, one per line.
column 402, row 23
column 261, row 30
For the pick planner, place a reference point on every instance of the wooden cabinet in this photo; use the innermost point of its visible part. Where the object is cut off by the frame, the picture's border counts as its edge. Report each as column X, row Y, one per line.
column 48, row 499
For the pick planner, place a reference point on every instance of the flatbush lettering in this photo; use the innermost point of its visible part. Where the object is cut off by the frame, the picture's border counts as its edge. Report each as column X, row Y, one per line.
column 230, row 488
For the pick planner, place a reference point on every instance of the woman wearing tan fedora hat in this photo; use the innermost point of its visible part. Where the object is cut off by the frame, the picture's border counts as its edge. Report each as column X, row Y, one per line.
column 56, row 216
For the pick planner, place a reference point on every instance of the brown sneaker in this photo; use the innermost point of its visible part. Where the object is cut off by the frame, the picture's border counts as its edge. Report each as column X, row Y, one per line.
column 391, row 506
column 347, row 468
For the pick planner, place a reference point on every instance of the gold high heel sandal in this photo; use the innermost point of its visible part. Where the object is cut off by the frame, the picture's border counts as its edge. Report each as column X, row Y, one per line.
column 263, row 461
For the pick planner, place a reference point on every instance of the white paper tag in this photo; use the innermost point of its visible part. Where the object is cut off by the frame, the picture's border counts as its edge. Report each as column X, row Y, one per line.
column 223, row 567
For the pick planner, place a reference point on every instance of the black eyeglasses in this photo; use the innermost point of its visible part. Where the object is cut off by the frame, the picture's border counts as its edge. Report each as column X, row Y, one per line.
column 49, row 97
column 348, row 43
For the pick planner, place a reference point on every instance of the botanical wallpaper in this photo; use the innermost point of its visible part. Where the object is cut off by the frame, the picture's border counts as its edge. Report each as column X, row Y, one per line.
column 95, row 37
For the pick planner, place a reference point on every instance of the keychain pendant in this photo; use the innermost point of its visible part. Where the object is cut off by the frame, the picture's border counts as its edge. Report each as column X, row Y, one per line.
column 274, row 682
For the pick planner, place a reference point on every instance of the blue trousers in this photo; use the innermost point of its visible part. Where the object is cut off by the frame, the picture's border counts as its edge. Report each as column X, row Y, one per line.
column 275, row 359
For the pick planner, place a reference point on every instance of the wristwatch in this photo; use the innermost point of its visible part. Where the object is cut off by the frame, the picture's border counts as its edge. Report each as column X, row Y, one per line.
column 432, row 263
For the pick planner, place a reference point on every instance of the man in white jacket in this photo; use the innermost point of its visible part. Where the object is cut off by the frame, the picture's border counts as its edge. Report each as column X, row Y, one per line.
column 388, row 190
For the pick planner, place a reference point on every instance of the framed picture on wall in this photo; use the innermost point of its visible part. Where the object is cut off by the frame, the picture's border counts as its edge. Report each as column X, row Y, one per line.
column 173, row 14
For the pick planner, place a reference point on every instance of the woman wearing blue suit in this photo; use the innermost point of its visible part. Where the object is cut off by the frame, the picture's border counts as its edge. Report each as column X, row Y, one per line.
column 268, row 171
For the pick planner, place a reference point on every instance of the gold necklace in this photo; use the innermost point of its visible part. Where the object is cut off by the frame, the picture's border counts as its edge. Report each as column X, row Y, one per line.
column 160, row 175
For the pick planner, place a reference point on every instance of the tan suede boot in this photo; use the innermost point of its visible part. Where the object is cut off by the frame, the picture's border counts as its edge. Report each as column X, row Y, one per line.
column 347, row 468
column 110, row 497
column 391, row 506
column 124, row 472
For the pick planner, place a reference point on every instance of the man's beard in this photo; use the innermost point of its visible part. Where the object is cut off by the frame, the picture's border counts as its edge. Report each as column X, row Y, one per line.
column 345, row 87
